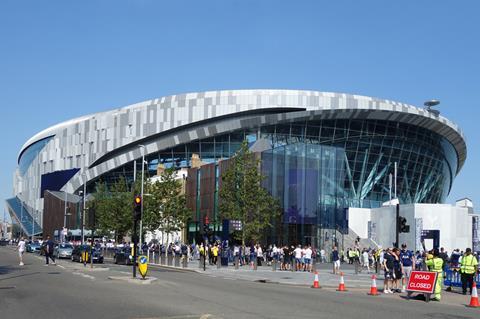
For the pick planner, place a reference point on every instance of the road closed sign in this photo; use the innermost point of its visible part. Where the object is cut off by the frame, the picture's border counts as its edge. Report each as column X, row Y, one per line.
column 422, row 281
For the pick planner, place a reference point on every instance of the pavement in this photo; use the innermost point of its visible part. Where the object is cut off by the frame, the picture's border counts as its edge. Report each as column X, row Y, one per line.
column 72, row 291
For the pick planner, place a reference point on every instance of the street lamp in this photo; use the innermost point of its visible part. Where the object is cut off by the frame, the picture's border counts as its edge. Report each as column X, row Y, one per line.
column 84, row 194
column 141, row 194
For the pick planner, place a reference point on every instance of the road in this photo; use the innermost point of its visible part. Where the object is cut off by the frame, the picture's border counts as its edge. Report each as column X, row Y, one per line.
column 68, row 291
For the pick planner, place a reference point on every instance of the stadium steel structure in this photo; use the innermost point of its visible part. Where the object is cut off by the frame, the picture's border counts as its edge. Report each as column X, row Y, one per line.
column 321, row 152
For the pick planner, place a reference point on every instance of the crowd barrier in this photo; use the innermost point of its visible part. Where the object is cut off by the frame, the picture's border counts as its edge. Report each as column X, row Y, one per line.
column 453, row 278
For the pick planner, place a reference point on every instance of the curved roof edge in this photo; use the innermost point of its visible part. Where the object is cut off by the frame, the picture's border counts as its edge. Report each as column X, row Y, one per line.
column 342, row 101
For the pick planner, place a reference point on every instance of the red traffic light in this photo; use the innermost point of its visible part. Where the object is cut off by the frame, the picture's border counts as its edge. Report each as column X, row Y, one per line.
column 137, row 200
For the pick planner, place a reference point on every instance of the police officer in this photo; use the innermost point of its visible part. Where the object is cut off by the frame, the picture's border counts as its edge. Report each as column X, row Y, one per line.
column 435, row 263
column 468, row 267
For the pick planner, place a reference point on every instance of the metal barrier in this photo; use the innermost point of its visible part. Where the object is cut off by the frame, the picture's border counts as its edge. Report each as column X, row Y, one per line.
column 453, row 278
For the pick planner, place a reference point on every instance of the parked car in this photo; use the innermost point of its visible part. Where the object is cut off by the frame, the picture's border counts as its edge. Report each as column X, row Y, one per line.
column 77, row 254
column 33, row 247
column 63, row 251
column 123, row 256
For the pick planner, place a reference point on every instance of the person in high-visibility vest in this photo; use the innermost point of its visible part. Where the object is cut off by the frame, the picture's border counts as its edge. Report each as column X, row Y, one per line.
column 435, row 263
column 468, row 268
column 215, row 254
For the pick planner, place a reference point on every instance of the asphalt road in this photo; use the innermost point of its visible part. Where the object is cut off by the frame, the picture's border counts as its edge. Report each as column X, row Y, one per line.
column 68, row 291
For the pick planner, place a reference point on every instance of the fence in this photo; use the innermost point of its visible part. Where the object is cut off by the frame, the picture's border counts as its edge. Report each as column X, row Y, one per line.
column 453, row 278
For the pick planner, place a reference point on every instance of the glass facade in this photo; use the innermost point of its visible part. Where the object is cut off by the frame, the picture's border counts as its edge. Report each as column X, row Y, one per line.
column 30, row 153
column 318, row 168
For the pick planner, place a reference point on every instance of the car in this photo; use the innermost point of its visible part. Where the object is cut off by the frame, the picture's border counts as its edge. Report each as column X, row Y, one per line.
column 123, row 256
column 33, row 247
column 63, row 251
column 77, row 254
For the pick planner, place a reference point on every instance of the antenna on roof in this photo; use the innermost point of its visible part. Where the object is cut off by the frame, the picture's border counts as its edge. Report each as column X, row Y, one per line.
column 431, row 103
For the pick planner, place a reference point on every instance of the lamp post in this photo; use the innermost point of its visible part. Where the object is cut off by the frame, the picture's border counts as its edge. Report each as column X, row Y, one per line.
column 84, row 194
column 141, row 194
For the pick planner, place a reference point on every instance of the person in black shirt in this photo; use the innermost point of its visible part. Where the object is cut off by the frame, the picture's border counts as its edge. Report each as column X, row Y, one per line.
column 388, row 264
column 49, row 246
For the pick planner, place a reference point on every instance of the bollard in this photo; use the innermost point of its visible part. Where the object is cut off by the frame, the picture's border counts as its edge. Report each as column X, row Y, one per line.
column 292, row 263
column 169, row 260
column 356, row 267
column 162, row 259
column 236, row 262
column 274, row 264
column 200, row 262
column 255, row 263
column 314, row 265
column 185, row 261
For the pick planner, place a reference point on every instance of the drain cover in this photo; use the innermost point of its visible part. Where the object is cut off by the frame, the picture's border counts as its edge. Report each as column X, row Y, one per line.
column 11, row 287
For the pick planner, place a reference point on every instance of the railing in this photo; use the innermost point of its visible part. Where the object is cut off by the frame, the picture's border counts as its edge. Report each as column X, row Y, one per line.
column 453, row 278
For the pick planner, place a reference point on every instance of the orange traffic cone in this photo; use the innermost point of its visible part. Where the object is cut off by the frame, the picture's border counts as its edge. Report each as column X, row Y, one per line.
column 373, row 287
column 474, row 299
column 341, row 286
column 315, row 281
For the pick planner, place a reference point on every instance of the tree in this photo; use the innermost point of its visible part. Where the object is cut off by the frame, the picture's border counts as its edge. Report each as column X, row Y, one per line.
column 114, row 208
column 243, row 198
column 167, row 209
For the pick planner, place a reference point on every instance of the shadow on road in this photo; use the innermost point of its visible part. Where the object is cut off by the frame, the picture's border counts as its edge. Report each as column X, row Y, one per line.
column 18, row 276
column 6, row 269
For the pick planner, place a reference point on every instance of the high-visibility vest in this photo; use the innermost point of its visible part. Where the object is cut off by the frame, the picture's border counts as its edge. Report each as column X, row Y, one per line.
column 469, row 264
column 215, row 251
column 435, row 264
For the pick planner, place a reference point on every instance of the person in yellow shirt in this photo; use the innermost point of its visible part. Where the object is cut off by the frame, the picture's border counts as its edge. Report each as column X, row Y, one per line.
column 435, row 263
column 468, row 269
column 214, row 254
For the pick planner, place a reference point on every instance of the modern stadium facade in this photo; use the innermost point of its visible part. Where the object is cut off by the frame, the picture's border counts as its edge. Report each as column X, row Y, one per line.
column 321, row 153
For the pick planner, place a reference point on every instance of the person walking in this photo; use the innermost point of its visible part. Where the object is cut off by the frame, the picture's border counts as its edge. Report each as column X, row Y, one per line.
column 435, row 263
column 49, row 251
column 21, row 250
column 336, row 261
column 468, row 268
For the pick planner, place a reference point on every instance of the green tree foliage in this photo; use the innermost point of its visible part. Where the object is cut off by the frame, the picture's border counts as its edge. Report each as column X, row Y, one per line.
column 167, row 209
column 114, row 208
column 243, row 198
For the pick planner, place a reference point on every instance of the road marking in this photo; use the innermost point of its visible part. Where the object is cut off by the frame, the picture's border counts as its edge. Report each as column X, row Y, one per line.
column 83, row 275
column 61, row 266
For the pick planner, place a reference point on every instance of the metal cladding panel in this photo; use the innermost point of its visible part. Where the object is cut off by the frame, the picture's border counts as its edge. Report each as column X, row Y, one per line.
column 164, row 122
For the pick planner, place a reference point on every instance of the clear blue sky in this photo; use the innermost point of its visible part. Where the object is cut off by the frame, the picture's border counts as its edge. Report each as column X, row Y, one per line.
column 62, row 59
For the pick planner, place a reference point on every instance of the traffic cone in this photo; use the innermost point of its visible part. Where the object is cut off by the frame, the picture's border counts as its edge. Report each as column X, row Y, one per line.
column 373, row 287
column 341, row 286
column 474, row 299
column 315, row 282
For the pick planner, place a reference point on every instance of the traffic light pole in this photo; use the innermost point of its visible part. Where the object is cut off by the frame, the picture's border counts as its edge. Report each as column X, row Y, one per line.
column 134, row 237
column 397, row 225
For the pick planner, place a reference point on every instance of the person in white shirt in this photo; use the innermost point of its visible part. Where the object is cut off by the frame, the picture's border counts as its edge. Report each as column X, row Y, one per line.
column 308, row 259
column 21, row 250
column 298, row 257
column 365, row 260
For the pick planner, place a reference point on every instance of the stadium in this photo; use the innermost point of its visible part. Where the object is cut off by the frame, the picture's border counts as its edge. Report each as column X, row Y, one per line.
column 321, row 153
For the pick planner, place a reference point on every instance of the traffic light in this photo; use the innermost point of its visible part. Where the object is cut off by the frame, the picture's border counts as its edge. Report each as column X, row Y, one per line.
column 402, row 225
column 206, row 228
column 137, row 207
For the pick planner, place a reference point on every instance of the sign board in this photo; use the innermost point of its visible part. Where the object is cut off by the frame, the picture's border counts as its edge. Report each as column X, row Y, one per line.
column 422, row 281
column 143, row 265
